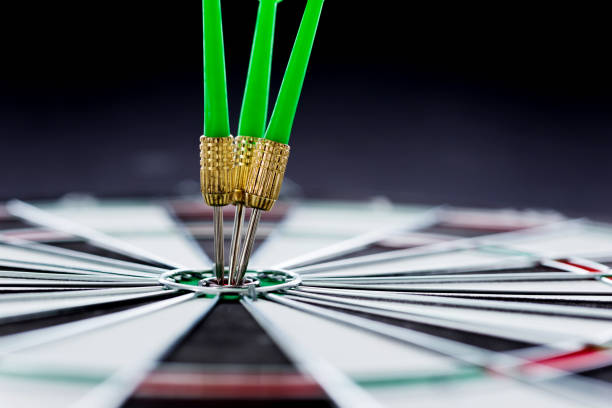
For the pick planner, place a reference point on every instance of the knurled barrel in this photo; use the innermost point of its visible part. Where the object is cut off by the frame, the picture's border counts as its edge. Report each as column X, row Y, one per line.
column 243, row 157
column 216, row 169
column 266, row 173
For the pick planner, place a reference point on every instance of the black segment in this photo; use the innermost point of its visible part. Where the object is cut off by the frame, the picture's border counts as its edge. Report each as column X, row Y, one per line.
column 12, row 290
column 22, row 269
column 372, row 249
column 484, row 341
column 13, row 223
column 601, row 373
column 581, row 303
column 43, row 320
column 89, row 248
column 607, row 263
column 228, row 335
column 529, row 269
column 443, row 229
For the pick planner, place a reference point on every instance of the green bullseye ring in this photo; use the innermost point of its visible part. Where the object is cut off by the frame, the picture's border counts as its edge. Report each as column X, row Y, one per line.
column 261, row 281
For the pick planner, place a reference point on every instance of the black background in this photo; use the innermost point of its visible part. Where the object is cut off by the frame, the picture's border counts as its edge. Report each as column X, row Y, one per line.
column 497, row 106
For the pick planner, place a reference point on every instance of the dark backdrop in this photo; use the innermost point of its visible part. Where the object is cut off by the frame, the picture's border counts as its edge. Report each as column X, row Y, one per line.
column 497, row 106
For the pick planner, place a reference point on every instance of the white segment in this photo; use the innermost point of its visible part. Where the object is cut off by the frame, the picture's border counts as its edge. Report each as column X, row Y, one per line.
column 454, row 260
column 13, row 253
column 358, row 353
column 25, row 393
column 577, row 240
column 479, row 392
column 313, row 225
column 143, row 224
column 19, row 307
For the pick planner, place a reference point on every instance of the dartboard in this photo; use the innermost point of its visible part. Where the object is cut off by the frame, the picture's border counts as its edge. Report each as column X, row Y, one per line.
column 109, row 303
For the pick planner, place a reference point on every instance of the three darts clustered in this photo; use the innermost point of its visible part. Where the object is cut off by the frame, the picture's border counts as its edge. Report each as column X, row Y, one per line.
column 248, row 170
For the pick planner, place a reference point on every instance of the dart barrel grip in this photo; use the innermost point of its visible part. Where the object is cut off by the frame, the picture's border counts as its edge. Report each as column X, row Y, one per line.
column 265, row 175
column 216, row 169
column 243, row 157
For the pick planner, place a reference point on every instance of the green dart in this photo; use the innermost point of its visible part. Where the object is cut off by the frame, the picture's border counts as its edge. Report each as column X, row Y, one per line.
column 216, row 116
column 254, row 110
column 253, row 115
column 216, row 145
column 270, row 154
column 281, row 121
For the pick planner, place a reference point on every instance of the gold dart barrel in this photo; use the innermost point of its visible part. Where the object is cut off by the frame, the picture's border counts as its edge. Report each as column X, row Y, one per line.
column 265, row 175
column 243, row 157
column 216, row 170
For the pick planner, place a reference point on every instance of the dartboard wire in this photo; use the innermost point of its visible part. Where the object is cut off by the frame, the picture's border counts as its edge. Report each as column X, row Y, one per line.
column 468, row 291
column 533, row 297
column 39, row 283
column 509, row 306
column 472, row 277
column 436, row 248
column 182, row 228
column 74, row 254
column 35, row 215
column 24, row 340
column 117, row 389
column 530, row 335
column 360, row 241
column 459, row 351
column 343, row 391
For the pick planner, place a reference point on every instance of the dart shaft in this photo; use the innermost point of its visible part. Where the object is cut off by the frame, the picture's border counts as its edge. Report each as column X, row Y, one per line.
column 216, row 116
column 248, row 245
column 236, row 238
column 218, row 242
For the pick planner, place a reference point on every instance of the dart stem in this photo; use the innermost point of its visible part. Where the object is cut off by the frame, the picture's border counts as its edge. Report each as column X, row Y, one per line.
column 216, row 116
column 218, row 228
column 281, row 121
column 236, row 239
column 247, row 249
column 255, row 102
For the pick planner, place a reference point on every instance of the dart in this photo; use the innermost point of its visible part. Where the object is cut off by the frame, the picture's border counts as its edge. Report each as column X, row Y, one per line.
column 253, row 115
column 216, row 145
column 271, row 153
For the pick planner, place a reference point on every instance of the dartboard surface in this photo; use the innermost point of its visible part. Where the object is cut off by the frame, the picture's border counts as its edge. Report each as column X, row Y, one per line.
column 105, row 303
